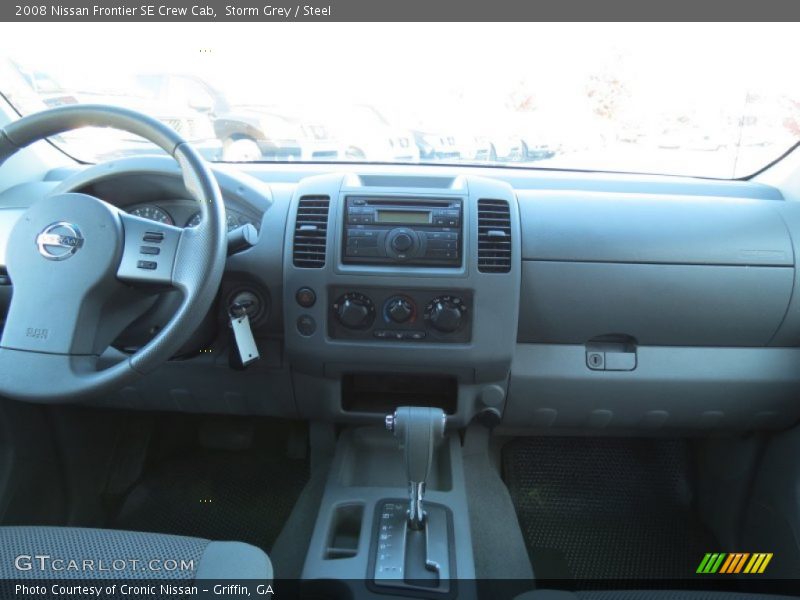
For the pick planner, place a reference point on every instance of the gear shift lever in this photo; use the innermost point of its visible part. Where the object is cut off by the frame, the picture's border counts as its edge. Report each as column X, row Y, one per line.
column 419, row 429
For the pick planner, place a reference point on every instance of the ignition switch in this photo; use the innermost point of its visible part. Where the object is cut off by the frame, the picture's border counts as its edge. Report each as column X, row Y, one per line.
column 246, row 302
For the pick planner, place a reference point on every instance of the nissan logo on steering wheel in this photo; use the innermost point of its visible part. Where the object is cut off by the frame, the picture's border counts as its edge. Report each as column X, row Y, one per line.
column 59, row 241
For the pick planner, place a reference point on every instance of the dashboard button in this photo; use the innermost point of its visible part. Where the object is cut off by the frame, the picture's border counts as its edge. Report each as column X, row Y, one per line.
column 306, row 325
column 402, row 242
column 148, row 265
column 305, row 297
column 154, row 250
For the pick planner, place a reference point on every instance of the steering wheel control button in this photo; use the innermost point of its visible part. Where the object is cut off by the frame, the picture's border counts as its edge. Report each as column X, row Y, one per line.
column 306, row 325
column 149, row 265
column 305, row 297
column 150, row 250
column 153, row 237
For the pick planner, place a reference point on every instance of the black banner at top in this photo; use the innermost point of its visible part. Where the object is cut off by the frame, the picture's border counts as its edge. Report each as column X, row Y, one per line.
column 397, row 10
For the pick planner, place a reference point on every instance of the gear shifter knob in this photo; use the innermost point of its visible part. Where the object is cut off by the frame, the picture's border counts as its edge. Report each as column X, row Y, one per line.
column 418, row 429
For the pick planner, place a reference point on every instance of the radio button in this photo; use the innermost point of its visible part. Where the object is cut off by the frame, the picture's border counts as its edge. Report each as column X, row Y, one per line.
column 441, row 253
column 360, row 251
column 362, row 242
column 442, row 245
column 402, row 242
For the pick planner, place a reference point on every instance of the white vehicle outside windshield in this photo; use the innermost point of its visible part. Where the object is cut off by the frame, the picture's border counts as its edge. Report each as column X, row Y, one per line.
column 711, row 100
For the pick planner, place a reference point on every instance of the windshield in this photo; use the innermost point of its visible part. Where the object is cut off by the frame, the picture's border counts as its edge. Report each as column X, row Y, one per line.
column 711, row 100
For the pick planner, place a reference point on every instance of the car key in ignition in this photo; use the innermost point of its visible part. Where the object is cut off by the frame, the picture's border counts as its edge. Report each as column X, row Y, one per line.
column 243, row 333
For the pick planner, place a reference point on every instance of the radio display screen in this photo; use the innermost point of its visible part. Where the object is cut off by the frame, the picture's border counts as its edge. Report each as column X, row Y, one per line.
column 403, row 216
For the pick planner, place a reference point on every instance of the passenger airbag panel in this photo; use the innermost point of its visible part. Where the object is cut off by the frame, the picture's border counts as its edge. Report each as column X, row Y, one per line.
column 637, row 228
column 657, row 305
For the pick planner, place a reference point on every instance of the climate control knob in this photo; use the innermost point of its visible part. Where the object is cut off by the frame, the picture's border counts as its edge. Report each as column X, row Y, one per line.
column 354, row 310
column 445, row 313
column 399, row 309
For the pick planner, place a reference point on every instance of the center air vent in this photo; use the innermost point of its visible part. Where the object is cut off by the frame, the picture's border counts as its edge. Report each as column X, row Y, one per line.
column 494, row 236
column 311, row 232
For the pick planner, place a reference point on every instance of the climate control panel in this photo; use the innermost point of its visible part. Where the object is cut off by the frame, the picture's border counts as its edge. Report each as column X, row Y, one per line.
column 383, row 314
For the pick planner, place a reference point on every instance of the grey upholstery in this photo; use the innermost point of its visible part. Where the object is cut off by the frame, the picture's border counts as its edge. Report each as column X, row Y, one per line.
column 644, row 595
column 75, row 553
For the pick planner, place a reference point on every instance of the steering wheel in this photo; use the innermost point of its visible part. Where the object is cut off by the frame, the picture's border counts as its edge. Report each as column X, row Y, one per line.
column 82, row 270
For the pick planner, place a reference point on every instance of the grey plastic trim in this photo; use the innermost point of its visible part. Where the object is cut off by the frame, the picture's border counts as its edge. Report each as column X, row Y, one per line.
column 648, row 228
column 693, row 389
column 655, row 304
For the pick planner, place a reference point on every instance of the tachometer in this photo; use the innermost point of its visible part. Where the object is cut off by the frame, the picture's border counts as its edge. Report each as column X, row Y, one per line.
column 194, row 221
column 153, row 213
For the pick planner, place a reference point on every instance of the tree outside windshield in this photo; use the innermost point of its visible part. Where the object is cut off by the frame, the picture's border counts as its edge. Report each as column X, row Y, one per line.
column 712, row 100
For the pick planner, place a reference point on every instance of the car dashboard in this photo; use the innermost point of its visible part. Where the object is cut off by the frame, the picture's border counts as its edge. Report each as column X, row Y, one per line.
column 533, row 300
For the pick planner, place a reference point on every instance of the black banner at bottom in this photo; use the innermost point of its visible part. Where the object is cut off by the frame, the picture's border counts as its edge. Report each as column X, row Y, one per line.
column 284, row 589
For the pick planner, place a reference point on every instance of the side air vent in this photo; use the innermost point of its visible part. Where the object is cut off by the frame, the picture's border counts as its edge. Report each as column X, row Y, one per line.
column 494, row 236
column 311, row 232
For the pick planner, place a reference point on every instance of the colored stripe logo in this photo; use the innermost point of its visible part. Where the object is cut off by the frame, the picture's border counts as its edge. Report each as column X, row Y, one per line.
column 734, row 562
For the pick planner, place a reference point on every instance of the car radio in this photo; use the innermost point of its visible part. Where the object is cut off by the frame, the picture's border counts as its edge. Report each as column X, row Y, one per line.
column 414, row 231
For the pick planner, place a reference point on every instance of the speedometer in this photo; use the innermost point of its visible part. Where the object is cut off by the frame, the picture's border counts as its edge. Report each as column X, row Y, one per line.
column 151, row 212
column 232, row 222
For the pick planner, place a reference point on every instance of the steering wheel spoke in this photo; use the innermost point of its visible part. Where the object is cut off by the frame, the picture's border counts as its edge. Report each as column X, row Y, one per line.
column 149, row 251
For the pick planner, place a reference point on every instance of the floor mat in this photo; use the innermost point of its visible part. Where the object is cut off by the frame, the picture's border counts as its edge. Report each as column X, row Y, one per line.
column 218, row 495
column 596, row 508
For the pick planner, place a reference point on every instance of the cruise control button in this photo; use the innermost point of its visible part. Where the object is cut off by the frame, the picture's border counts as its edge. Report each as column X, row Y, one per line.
column 149, row 250
column 149, row 265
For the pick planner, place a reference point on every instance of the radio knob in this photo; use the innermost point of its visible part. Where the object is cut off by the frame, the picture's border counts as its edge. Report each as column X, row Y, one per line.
column 399, row 310
column 355, row 311
column 402, row 242
column 445, row 315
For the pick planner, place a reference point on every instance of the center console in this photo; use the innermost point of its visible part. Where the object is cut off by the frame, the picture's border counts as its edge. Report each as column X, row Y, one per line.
column 393, row 519
column 400, row 274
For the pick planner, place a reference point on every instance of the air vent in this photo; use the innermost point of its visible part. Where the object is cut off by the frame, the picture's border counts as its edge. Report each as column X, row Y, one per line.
column 311, row 231
column 494, row 236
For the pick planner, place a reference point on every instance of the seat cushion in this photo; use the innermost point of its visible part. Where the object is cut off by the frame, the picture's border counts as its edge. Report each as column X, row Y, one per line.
column 77, row 553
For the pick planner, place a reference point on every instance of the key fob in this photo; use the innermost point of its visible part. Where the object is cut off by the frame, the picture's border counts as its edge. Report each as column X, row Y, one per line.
column 247, row 351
